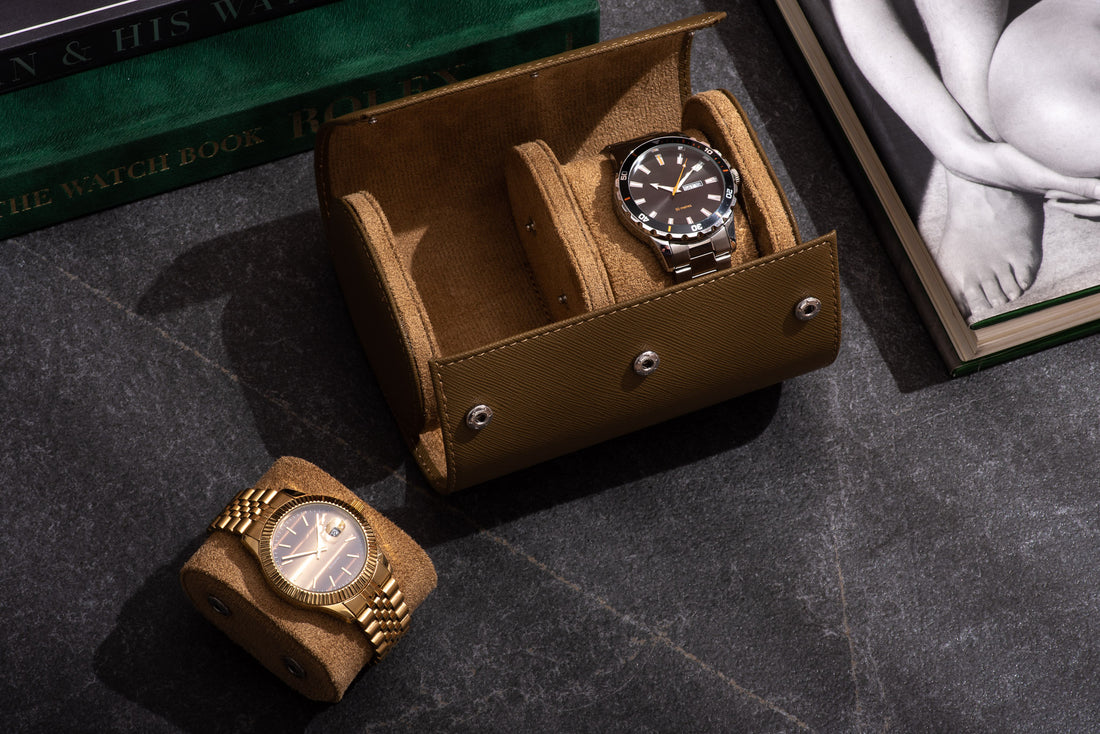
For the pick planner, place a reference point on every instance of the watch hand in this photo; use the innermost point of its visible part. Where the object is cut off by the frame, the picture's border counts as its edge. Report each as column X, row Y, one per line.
column 299, row 555
column 677, row 186
column 320, row 540
column 659, row 186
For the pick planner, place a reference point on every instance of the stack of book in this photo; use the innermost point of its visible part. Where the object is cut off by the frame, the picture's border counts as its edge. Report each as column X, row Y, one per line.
column 106, row 102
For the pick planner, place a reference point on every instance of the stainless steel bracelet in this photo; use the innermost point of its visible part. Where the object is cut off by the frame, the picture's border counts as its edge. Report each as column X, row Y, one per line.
column 692, row 259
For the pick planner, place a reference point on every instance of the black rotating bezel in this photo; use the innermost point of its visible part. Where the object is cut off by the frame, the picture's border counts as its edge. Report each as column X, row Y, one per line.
column 718, row 217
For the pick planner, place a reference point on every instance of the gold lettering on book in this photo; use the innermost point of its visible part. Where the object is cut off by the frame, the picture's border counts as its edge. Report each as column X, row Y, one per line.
column 210, row 148
column 85, row 185
column 408, row 88
column 307, row 116
column 307, row 120
column 25, row 202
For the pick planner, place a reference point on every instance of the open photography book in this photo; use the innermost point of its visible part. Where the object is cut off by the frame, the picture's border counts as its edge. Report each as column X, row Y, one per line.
column 997, row 269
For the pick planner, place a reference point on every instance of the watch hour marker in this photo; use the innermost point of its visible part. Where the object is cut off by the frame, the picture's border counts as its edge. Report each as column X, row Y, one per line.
column 670, row 220
column 714, row 197
column 660, row 160
column 345, row 570
column 643, row 169
column 698, row 166
column 352, row 555
column 639, row 202
column 712, row 179
column 283, row 545
column 331, row 581
column 636, row 183
column 680, row 159
column 653, row 214
column 690, row 220
column 705, row 212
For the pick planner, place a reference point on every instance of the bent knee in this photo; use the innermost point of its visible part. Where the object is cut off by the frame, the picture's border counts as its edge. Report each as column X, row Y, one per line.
column 1044, row 85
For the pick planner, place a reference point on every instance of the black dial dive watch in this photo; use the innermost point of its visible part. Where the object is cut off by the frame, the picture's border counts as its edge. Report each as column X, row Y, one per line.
column 677, row 194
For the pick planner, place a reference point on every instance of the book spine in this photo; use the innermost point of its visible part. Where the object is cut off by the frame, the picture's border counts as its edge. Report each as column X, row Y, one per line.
column 123, row 37
column 136, row 169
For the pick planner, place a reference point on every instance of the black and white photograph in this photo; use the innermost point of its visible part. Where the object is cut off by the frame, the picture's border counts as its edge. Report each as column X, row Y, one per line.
column 999, row 160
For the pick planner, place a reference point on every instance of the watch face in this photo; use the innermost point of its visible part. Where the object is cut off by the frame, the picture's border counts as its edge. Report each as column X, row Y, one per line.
column 316, row 550
column 677, row 188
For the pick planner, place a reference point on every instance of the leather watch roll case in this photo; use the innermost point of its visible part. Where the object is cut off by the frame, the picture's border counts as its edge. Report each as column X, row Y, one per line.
column 502, row 302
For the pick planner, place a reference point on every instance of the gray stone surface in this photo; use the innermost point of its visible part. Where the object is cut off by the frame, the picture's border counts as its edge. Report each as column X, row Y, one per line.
column 869, row 547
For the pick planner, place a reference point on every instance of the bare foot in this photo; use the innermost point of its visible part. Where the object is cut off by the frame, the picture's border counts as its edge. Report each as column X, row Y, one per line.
column 992, row 244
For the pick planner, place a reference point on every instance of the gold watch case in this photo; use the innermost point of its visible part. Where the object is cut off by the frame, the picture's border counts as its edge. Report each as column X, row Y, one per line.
column 312, row 598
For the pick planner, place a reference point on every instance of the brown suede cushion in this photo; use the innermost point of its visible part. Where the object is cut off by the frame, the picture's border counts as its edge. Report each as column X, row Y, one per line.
column 330, row 651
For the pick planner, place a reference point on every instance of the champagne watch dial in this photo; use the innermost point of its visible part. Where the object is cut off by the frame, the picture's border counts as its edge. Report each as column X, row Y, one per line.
column 318, row 547
column 677, row 188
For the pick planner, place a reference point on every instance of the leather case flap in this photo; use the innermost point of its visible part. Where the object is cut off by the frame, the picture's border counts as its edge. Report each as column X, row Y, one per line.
column 578, row 102
column 556, row 389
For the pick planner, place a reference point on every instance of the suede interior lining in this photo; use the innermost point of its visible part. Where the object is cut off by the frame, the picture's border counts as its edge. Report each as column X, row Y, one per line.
column 567, row 245
column 435, row 165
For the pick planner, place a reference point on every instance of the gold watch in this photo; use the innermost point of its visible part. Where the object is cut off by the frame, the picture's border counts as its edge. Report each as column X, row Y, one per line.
column 320, row 552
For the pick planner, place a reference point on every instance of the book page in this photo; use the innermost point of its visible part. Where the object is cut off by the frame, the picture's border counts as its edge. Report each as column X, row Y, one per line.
column 998, row 244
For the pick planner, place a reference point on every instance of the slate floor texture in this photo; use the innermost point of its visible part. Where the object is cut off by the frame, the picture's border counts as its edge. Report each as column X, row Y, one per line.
column 870, row 547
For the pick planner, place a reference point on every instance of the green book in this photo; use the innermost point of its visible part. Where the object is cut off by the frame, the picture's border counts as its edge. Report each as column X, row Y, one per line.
column 150, row 124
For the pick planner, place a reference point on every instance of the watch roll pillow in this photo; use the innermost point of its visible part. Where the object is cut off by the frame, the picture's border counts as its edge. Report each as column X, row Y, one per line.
column 581, row 255
column 313, row 652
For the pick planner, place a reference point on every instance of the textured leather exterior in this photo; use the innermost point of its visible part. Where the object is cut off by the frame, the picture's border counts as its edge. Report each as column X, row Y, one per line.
column 572, row 384
column 496, row 271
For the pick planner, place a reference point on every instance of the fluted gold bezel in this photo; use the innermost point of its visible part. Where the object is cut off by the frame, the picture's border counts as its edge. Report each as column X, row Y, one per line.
column 314, row 598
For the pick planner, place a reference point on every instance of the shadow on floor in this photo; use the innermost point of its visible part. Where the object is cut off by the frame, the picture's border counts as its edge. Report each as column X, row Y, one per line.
column 165, row 657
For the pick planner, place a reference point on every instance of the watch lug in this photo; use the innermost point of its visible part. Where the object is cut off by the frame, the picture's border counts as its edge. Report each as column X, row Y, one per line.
column 382, row 572
column 283, row 496
column 250, row 542
column 345, row 609
column 673, row 254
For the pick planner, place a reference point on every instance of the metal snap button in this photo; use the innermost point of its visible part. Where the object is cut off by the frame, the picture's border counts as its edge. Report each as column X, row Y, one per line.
column 646, row 363
column 478, row 417
column 807, row 308
column 218, row 605
column 294, row 667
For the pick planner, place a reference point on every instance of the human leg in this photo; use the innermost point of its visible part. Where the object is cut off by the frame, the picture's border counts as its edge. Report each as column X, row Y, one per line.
column 1044, row 85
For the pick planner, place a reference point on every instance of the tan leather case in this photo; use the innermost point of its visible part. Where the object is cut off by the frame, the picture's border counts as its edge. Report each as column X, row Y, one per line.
column 474, row 233
column 316, row 654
